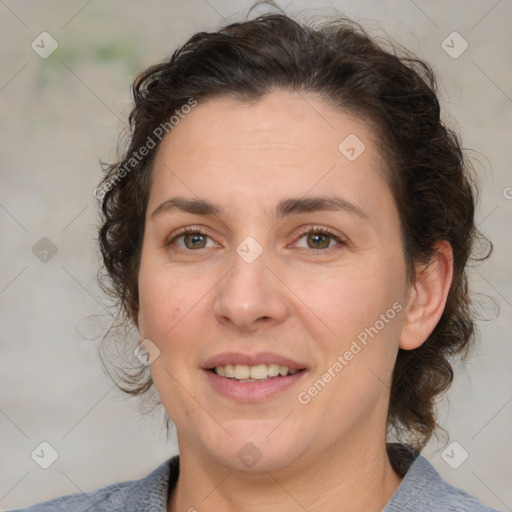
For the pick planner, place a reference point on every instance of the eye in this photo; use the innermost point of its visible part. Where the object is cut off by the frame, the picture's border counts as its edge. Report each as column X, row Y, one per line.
column 320, row 239
column 191, row 238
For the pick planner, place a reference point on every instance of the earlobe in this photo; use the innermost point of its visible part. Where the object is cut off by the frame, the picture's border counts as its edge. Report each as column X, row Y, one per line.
column 427, row 298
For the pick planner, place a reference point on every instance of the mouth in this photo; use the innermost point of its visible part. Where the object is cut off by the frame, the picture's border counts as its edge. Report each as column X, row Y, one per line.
column 257, row 373
column 252, row 378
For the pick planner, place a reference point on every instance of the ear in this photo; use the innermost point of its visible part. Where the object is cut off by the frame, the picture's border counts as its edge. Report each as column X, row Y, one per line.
column 427, row 297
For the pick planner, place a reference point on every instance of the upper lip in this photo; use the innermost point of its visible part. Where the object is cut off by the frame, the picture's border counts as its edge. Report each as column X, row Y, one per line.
column 251, row 360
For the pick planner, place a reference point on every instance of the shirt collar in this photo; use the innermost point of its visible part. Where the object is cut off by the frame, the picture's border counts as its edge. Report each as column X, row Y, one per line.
column 420, row 479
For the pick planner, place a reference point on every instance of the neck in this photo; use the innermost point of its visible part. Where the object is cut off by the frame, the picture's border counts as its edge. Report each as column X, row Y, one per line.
column 358, row 479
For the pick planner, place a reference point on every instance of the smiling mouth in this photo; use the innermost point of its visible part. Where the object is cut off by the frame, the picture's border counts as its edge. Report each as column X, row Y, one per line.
column 257, row 373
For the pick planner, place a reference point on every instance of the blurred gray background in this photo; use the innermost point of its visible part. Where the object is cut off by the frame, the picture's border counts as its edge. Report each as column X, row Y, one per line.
column 62, row 113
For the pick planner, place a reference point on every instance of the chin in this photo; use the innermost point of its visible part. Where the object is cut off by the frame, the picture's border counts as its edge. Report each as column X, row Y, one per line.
column 255, row 450
column 249, row 459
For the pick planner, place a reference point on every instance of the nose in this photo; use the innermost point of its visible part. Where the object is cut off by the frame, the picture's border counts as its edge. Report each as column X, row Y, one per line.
column 250, row 296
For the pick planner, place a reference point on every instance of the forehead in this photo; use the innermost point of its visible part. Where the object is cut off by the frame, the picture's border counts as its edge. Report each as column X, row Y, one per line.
column 284, row 120
column 284, row 144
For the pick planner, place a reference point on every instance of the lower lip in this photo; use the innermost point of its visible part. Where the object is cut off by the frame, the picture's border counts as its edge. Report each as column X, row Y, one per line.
column 252, row 391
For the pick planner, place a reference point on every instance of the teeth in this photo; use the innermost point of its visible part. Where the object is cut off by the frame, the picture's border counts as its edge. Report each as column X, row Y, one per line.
column 230, row 371
column 273, row 370
column 283, row 370
column 241, row 371
column 258, row 372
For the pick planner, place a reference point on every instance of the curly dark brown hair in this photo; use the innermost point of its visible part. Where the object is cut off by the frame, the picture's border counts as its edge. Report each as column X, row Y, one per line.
column 389, row 88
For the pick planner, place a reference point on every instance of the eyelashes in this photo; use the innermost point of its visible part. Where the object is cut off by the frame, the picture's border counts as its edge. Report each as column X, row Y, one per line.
column 187, row 232
column 313, row 233
column 323, row 232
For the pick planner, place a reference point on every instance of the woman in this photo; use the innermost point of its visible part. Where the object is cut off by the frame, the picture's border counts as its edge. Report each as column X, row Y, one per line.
column 289, row 231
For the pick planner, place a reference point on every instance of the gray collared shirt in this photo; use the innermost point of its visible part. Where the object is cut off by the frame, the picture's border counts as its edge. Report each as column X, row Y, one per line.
column 421, row 490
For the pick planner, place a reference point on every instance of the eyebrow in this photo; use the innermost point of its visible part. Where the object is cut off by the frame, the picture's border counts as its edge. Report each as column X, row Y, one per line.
column 285, row 208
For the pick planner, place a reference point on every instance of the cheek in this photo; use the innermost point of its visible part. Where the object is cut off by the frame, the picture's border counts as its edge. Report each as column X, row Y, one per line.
column 365, row 311
column 163, row 319
column 159, row 316
column 163, row 298
column 358, row 297
column 366, row 315
column 168, row 316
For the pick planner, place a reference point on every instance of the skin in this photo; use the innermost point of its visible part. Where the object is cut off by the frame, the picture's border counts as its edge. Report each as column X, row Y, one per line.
column 298, row 298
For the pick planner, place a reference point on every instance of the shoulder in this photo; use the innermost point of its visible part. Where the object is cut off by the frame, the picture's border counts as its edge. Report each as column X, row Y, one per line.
column 148, row 493
column 423, row 489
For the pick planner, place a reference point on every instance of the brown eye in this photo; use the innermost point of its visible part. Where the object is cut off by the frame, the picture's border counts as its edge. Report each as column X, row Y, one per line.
column 194, row 240
column 190, row 239
column 320, row 239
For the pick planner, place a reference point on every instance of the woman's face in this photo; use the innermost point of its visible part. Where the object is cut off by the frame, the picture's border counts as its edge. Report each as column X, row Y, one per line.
column 293, row 258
